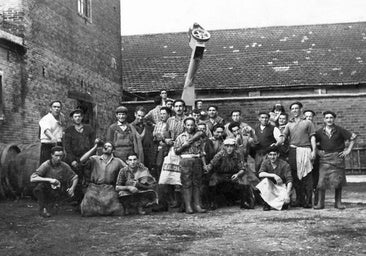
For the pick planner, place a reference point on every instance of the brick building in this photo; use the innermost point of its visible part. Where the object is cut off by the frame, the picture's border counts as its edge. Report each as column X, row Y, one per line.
column 61, row 49
column 324, row 66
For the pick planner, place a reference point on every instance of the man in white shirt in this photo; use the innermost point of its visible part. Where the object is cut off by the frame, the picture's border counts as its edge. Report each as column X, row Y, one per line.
column 51, row 130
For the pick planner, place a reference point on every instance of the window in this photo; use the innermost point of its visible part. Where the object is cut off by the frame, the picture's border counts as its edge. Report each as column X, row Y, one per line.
column 84, row 9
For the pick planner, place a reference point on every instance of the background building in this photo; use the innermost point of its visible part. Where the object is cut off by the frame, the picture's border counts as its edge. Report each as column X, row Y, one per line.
column 68, row 50
column 252, row 69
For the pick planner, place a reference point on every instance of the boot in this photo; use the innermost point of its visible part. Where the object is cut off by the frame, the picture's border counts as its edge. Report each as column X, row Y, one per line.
column 187, row 196
column 177, row 201
column 196, row 200
column 212, row 197
column 246, row 198
column 321, row 199
column 316, row 196
column 338, row 199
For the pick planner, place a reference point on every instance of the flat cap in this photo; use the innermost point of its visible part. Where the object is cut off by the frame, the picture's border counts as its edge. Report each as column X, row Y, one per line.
column 76, row 111
column 229, row 141
column 121, row 109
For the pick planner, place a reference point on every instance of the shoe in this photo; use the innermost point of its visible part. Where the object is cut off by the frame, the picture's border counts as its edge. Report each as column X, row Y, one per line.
column 245, row 205
column 141, row 211
column 266, row 207
column 307, row 206
column 213, row 206
column 44, row 213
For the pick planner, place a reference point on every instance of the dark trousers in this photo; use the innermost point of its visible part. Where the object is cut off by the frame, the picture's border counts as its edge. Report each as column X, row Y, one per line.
column 191, row 172
column 46, row 151
column 303, row 187
column 46, row 195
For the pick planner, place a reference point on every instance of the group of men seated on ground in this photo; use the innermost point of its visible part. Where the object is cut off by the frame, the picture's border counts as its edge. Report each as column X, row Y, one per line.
column 168, row 158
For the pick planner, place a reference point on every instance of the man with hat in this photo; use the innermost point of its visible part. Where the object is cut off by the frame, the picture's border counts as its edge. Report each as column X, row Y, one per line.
column 122, row 135
column 275, row 187
column 309, row 115
column 231, row 175
column 332, row 151
column 78, row 139
column 302, row 151
column 188, row 146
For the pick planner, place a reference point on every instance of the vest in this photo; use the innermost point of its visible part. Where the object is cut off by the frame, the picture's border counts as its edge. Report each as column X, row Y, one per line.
column 265, row 137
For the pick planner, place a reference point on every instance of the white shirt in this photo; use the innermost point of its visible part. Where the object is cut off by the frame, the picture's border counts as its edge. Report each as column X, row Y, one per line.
column 49, row 122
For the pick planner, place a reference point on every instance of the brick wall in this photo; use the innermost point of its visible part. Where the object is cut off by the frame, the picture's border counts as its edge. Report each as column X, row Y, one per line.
column 64, row 53
column 350, row 109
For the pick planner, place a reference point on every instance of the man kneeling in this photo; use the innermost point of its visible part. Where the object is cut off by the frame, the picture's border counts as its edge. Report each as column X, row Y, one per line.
column 136, row 186
column 230, row 173
column 276, row 186
column 56, row 181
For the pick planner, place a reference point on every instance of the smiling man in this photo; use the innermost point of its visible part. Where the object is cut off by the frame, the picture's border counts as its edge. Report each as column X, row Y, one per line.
column 189, row 147
column 121, row 135
column 301, row 136
column 276, row 183
column 332, row 151
column 144, row 137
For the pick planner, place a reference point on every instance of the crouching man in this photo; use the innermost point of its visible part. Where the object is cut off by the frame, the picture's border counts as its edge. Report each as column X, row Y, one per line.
column 136, row 186
column 56, row 181
column 231, row 175
column 276, row 184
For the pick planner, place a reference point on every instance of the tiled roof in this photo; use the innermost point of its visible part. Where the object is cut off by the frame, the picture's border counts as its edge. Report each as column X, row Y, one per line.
column 250, row 58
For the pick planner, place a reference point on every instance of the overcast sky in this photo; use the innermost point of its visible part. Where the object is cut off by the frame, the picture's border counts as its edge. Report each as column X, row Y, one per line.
column 163, row 16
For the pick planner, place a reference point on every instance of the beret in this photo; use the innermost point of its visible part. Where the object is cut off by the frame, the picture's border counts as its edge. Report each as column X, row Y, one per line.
column 329, row 112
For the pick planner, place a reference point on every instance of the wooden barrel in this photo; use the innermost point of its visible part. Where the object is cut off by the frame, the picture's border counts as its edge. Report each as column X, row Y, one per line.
column 20, row 170
column 8, row 153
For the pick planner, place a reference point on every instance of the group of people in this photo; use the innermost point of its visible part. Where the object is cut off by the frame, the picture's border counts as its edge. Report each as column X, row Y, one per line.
column 172, row 157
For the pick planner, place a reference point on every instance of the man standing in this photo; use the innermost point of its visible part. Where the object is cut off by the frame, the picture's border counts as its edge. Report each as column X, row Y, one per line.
column 276, row 186
column 164, row 97
column 158, row 136
column 213, row 117
column 235, row 118
column 121, row 135
column 332, row 152
column 175, row 123
column 153, row 116
column 51, row 130
column 144, row 136
column 198, row 104
column 309, row 115
column 54, row 178
column 284, row 147
column 78, row 139
column 190, row 151
column 268, row 136
column 301, row 136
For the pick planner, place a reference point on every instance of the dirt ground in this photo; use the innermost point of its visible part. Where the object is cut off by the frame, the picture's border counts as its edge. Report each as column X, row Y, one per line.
column 226, row 231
